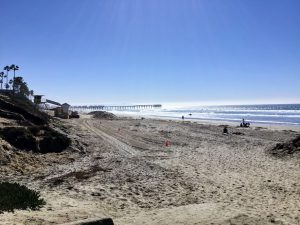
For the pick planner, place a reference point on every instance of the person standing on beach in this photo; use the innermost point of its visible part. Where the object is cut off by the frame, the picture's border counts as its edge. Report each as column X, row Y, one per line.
column 225, row 130
column 182, row 117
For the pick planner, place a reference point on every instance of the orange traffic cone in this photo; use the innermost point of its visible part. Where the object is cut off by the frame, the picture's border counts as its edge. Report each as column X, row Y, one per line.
column 167, row 143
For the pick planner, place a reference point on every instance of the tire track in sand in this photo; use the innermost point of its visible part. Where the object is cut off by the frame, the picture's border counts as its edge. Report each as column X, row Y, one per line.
column 121, row 146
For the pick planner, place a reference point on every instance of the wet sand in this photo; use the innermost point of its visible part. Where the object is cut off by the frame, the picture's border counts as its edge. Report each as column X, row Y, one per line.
column 122, row 169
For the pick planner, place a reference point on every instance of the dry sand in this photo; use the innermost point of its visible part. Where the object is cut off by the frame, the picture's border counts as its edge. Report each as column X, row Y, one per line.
column 123, row 170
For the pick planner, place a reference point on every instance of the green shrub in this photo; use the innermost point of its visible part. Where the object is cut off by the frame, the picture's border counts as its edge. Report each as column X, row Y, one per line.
column 21, row 105
column 15, row 196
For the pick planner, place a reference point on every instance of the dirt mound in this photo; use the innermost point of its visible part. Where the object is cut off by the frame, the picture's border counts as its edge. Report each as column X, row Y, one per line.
column 288, row 148
column 103, row 115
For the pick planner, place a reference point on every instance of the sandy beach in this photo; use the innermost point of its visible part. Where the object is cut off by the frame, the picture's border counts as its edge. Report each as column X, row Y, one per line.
column 123, row 169
column 150, row 112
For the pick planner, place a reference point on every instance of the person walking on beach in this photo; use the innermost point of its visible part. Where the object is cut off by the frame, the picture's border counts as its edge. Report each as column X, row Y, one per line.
column 182, row 117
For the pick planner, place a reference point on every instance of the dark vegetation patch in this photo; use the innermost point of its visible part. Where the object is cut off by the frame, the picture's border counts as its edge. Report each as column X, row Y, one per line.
column 42, row 139
column 15, row 196
column 289, row 131
column 11, row 115
column 103, row 115
column 19, row 107
column 165, row 133
column 287, row 148
column 53, row 141
column 34, row 133
column 19, row 137
column 260, row 128
column 79, row 175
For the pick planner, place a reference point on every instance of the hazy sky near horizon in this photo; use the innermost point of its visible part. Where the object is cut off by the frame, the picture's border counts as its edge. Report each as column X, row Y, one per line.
column 133, row 51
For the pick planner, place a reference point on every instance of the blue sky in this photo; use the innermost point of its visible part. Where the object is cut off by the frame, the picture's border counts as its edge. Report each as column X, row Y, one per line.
column 133, row 51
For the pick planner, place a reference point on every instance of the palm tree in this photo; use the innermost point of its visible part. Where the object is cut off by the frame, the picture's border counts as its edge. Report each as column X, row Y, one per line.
column 7, row 68
column 1, row 76
column 14, row 68
column 9, row 83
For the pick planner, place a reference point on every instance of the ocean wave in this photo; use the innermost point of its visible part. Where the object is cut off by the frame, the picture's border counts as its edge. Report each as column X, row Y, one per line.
column 289, row 116
column 251, row 115
column 283, row 112
column 230, row 120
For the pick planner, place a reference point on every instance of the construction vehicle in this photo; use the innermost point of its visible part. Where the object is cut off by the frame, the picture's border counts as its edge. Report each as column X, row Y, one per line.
column 74, row 114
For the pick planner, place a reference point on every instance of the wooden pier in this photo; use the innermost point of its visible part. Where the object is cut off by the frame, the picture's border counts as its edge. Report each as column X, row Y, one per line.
column 109, row 108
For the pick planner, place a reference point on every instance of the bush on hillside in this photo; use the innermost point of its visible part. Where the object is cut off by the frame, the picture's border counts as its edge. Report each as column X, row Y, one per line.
column 40, row 139
column 54, row 142
column 20, row 105
column 19, row 137
column 15, row 196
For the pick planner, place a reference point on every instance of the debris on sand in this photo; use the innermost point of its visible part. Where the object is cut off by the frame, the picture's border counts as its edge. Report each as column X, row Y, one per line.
column 103, row 115
column 288, row 148
column 106, row 221
column 238, row 133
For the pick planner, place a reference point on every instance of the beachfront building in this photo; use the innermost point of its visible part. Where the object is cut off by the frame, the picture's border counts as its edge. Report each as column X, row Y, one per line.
column 62, row 111
column 37, row 99
column 65, row 108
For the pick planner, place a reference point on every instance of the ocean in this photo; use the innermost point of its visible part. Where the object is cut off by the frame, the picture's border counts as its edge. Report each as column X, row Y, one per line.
column 276, row 114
